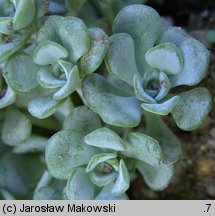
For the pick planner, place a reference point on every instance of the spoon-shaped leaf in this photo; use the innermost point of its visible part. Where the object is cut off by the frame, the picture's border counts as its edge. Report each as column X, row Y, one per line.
column 144, row 148
column 192, row 108
column 16, row 128
column 6, row 25
column 8, row 98
column 165, row 57
column 21, row 73
column 157, row 178
column 105, row 138
column 120, row 58
column 79, row 186
column 93, row 59
column 163, row 108
column 43, row 106
column 65, row 151
column 49, row 52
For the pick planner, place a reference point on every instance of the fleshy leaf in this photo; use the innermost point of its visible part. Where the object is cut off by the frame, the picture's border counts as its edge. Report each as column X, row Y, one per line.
column 166, row 58
column 49, row 52
column 120, row 58
column 140, row 93
column 33, row 144
column 47, row 80
column 75, row 37
column 144, row 25
column 192, row 108
column 102, row 179
column 8, row 98
column 6, row 25
column 123, row 180
column 93, row 59
column 43, row 106
column 105, row 138
column 157, row 178
column 195, row 57
column 83, row 120
column 16, row 128
column 79, row 186
column 144, row 148
column 99, row 158
column 170, row 144
column 24, row 15
column 65, row 151
column 21, row 73
column 70, row 86
column 163, row 108
column 110, row 102
column 105, row 194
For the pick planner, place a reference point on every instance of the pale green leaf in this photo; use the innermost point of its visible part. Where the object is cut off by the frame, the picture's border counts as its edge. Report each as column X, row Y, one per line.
column 162, row 108
column 16, row 128
column 43, row 106
column 123, row 180
column 24, row 14
column 120, row 58
column 105, row 138
column 144, row 148
column 21, row 73
column 6, row 25
column 70, row 86
column 49, row 52
column 93, row 59
column 165, row 57
column 65, row 151
column 79, row 186
column 8, row 98
column 157, row 178
column 144, row 25
column 192, row 108
column 83, row 120
column 75, row 37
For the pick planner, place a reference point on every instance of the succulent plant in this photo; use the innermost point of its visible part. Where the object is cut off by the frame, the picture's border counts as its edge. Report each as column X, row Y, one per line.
column 92, row 149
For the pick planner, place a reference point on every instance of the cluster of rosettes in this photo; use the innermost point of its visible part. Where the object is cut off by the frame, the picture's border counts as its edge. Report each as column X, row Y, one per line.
column 44, row 60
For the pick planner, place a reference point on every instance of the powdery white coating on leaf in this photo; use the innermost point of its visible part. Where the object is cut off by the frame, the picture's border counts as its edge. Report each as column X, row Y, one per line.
column 8, row 98
column 47, row 80
column 169, row 143
column 157, row 178
column 93, row 59
column 163, row 108
column 65, row 151
column 21, row 73
column 144, row 25
column 75, row 37
column 120, row 58
column 83, row 120
column 123, row 180
column 49, row 52
column 16, row 128
column 144, row 148
column 44, row 106
column 70, row 86
column 192, row 108
column 24, row 14
column 195, row 57
column 105, row 138
column 165, row 57
column 79, row 186
column 99, row 158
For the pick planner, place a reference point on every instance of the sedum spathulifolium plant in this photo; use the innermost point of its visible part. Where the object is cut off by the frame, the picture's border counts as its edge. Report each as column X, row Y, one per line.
column 81, row 111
